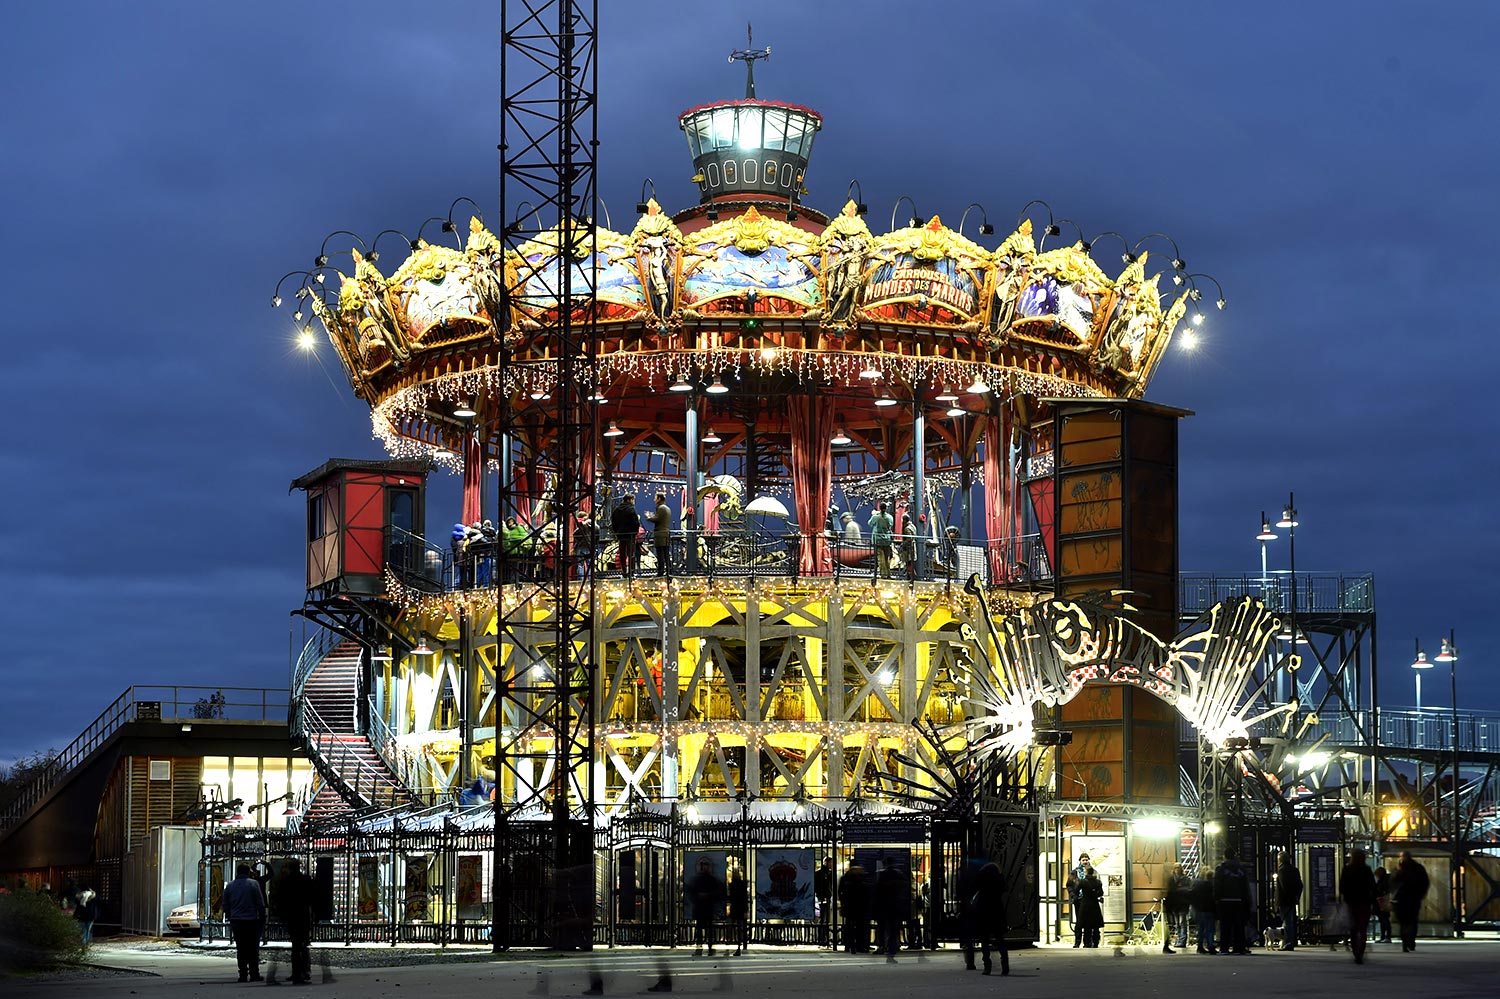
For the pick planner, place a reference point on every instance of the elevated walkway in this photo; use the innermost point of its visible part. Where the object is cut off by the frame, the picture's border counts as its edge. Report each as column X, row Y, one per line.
column 52, row 820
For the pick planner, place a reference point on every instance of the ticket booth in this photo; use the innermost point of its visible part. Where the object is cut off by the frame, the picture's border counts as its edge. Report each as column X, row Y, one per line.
column 361, row 517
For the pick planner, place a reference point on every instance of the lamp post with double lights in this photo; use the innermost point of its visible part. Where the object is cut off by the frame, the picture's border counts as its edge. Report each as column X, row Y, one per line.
column 1449, row 654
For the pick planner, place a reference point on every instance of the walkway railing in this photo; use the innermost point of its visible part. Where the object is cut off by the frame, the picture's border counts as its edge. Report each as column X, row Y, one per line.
column 1316, row 592
column 1431, row 728
column 1015, row 561
column 186, row 705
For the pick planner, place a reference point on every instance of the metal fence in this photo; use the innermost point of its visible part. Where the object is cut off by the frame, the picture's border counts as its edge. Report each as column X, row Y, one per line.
column 430, row 877
column 1428, row 729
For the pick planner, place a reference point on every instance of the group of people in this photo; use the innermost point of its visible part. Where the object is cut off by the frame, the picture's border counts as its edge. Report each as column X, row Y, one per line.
column 842, row 529
column 292, row 901
column 1222, row 901
column 625, row 525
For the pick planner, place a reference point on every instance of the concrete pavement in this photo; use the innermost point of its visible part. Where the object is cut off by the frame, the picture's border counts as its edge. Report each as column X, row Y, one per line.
column 1439, row 969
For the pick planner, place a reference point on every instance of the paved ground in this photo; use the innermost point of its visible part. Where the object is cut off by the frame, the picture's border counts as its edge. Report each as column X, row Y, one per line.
column 1438, row 970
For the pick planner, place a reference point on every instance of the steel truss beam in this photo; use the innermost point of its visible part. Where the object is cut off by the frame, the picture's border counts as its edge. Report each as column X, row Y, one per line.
column 544, row 722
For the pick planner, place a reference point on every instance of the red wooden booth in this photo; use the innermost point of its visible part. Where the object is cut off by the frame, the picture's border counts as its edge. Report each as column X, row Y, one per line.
column 361, row 515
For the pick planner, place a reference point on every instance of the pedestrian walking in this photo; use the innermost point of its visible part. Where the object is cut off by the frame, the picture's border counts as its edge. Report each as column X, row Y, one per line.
column 1203, row 909
column 892, row 906
column 1174, row 906
column 1383, row 903
column 86, row 910
column 245, row 907
column 1357, row 889
column 1288, row 898
column 968, row 932
column 1231, row 893
column 1410, row 888
column 739, row 911
column 705, row 893
column 990, row 923
column 854, row 902
column 293, row 897
column 823, row 893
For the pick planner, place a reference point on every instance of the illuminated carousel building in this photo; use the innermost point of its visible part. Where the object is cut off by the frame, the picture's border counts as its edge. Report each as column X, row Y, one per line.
column 778, row 376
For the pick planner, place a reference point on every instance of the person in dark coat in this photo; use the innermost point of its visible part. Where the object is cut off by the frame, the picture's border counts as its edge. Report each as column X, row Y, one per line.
column 705, row 893
column 1174, row 906
column 989, row 916
column 245, row 907
column 823, row 892
column 86, row 910
column 854, row 908
column 892, row 906
column 625, row 524
column 1383, row 903
column 293, row 896
column 1203, row 909
column 968, row 884
column 739, row 911
column 1090, row 907
column 1410, row 888
column 1231, row 898
column 661, row 533
column 1357, row 889
column 1288, row 897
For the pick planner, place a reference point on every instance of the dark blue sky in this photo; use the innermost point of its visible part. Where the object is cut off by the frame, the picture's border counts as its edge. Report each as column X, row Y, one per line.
column 1332, row 164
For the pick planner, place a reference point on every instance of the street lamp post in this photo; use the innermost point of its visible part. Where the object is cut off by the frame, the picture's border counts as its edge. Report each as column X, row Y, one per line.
column 1449, row 655
column 1418, row 665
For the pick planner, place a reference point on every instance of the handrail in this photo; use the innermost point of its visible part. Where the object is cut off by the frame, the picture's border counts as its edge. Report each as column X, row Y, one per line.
column 1430, row 728
column 1316, row 592
column 323, row 641
column 411, row 769
column 311, row 728
column 147, row 703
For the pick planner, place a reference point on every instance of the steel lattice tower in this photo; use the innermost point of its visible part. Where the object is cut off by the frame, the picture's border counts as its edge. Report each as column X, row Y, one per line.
column 548, row 143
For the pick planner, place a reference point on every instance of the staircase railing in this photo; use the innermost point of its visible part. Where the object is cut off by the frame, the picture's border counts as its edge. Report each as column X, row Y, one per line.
column 323, row 641
column 148, row 704
column 412, row 770
column 355, row 779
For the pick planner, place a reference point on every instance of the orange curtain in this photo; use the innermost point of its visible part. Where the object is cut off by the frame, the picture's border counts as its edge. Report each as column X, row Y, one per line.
column 812, row 477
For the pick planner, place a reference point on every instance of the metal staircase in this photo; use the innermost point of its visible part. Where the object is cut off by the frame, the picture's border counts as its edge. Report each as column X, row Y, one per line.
column 355, row 779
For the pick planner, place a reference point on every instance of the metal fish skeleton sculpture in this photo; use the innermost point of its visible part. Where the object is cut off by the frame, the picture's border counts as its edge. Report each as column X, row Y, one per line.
column 1045, row 653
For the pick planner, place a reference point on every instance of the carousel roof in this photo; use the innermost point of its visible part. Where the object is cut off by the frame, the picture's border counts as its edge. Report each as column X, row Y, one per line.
column 697, row 297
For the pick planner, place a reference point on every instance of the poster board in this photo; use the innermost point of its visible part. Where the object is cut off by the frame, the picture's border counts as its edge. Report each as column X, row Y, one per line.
column 1107, row 854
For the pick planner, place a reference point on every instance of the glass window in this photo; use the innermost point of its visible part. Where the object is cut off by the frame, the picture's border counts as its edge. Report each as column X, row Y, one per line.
column 723, row 128
column 314, row 516
column 749, row 122
column 775, row 130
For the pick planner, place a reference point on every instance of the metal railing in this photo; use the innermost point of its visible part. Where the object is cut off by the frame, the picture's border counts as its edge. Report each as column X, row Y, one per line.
column 416, row 562
column 341, row 765
column 178, row 704
column 1430, row 728
column 412, row 770
column 1316, row 592
column 324, row 641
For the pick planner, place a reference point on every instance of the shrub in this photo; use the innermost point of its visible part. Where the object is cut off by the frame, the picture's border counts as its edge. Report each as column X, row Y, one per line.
column 35, row 933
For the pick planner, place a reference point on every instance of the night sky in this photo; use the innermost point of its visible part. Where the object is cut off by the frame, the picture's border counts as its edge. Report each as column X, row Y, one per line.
column 1331, row 164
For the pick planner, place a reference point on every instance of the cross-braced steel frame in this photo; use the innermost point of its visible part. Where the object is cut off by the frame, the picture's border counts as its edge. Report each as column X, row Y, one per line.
column 545, row 718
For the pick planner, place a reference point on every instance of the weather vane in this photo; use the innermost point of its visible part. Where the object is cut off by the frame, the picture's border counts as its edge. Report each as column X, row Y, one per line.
column 748, row 55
